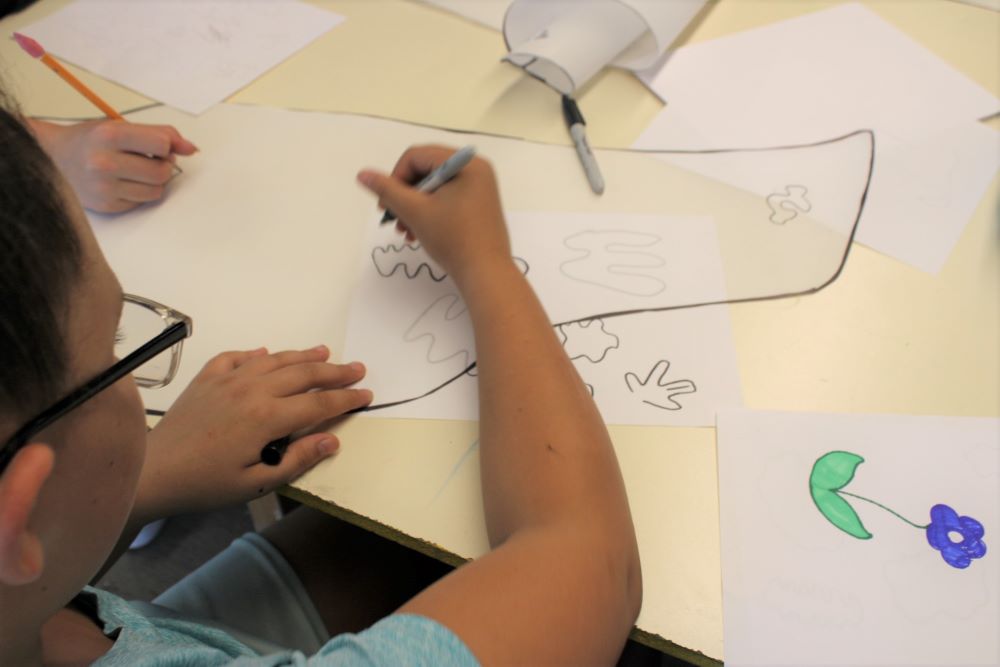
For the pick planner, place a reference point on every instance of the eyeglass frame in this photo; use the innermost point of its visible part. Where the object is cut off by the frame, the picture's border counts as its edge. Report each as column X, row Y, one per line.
column 174, row 334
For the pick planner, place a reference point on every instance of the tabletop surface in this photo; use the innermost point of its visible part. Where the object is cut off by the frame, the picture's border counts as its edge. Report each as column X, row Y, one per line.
column 884, row 337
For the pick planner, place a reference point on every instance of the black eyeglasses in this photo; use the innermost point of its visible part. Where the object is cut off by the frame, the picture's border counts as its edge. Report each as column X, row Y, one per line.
column 162, row 328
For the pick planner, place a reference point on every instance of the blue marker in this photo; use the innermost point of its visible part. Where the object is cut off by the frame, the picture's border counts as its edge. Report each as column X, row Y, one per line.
column 434, row 180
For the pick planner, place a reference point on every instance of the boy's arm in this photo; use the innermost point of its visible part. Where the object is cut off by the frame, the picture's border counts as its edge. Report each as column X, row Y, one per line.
column 562, row 583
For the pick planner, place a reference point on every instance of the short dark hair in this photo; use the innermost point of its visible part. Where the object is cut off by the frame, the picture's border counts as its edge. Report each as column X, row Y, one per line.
column 40, row 260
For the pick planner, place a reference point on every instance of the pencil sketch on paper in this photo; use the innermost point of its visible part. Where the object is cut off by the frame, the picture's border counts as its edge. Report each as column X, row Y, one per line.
column 432, row 320
column 786, row 205
column 661, row 392
column 614, row 260
column 959, row 539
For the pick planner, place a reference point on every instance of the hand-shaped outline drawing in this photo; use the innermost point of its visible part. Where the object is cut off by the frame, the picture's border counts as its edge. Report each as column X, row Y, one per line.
column 662, row 386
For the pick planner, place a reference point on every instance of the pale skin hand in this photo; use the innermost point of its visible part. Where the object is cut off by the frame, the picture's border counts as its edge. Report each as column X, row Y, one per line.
column 563, row 580
column 108, row 163
column 205, row 452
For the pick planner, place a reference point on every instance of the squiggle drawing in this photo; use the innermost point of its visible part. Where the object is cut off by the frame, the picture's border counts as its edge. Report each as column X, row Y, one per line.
column 583, row 340
column 958, row 538
column 444, row 310
column 390, row 258
column 611, row 259
column 662, row 390
column 785, row 206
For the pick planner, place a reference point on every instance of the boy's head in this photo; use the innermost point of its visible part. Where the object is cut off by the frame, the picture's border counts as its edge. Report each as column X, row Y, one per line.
column 65, row 496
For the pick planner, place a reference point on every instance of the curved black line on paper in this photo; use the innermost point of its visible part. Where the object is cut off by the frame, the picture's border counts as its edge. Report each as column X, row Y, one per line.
column 862, row 199
column 397, row 263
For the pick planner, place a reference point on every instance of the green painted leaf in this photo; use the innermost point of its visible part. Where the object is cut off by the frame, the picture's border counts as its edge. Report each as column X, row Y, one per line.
column 832, row 472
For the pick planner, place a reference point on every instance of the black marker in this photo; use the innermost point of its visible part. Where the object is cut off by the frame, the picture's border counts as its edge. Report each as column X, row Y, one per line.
column 271, row 453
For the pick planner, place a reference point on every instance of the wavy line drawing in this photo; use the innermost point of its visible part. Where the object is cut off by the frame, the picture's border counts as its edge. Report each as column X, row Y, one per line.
column 389, row 259
column 442, row 310
column 582, row 340
column 611, row 259
column 662, row 386
column 786, row 206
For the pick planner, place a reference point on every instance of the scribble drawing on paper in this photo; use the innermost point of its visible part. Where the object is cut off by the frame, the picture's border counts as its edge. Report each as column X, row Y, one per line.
column 389, row 259
column 615, row 260
column 958, row 538
column 443, row 310
column 588, row 340
column 661, row 393
column 786, row 205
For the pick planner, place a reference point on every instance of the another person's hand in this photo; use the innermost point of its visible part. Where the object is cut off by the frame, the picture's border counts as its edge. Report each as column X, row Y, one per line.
column 205, row 452
column 108, row 163
column 461, row 224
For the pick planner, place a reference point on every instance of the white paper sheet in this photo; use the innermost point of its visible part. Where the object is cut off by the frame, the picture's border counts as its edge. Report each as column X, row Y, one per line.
column 832, row 72
column 643, row 368
column 188, row 54
column 798, row 590
column 565, row 42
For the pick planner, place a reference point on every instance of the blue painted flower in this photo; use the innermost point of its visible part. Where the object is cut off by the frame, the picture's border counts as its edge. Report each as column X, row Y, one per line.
column 944, row 522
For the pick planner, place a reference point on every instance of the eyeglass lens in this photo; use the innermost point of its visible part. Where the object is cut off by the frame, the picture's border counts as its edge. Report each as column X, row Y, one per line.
column 138, row 326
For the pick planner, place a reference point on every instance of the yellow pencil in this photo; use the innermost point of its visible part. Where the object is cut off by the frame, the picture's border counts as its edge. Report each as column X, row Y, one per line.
column 35, row 50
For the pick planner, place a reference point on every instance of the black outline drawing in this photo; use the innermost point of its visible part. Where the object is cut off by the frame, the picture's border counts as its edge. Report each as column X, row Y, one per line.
column 383, row 251
column 586, row 325
column 673, row 387
column 787, row 205
column 848, row 241
column 617, row 247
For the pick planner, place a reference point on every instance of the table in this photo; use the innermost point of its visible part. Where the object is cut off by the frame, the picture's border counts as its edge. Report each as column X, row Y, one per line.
column 883, row 338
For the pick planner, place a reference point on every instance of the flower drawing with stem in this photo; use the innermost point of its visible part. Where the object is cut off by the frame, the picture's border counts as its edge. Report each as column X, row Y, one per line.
column 958, row 538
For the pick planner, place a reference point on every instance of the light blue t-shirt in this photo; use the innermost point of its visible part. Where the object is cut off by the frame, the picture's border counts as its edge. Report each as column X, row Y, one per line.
column 144, row 641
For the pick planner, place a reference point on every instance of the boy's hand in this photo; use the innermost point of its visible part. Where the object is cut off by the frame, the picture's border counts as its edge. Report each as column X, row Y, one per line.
column 461, row 224
column 108, row 163
column 205, row 452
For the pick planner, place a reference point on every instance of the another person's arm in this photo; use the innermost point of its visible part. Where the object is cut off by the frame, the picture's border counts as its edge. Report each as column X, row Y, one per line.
column 562, row 584
column 108, row 162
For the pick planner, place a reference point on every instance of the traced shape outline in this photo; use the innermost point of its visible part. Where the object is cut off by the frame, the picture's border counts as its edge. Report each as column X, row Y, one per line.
column 617, row 247
column 786, row 205
column 848, row 242
column 561, row 329
column 673, row 388
column 450, row 313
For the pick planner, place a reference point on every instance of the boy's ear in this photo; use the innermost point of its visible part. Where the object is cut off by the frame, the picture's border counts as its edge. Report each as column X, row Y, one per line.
column 21, row 553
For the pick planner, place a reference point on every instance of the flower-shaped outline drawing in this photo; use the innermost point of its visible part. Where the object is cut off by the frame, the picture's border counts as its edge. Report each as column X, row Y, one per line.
column 945, row 520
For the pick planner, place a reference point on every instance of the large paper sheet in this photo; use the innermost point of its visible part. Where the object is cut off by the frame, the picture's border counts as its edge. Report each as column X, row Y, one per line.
column 859, row 539
column 269, row 251
column 642, row 368
column 831, row 72
column 189, row 55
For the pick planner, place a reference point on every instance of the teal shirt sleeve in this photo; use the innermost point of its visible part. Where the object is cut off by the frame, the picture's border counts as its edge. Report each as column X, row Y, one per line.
column 141, row 641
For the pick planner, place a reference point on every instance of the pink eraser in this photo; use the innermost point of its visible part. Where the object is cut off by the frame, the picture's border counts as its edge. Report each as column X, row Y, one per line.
column 31, row 47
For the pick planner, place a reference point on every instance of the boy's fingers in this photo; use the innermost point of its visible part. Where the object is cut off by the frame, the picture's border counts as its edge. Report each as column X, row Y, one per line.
column 300, row 456
column 315, row 407
column 300, row 378
column 418, row 161
column 228, row 361
column 272, row 362
column 392, row 194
